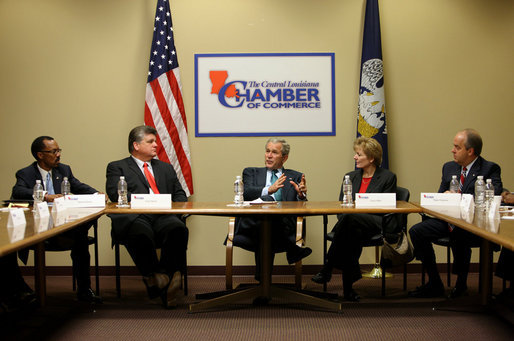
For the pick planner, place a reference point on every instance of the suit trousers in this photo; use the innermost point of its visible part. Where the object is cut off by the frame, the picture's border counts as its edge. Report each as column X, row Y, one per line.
column 505, row 266
column 283, row 235
column 428, row 231
column 349, row 233
column 152, row 231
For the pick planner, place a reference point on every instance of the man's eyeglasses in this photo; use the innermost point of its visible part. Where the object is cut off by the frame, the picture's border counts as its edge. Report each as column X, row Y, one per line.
column 53, row 151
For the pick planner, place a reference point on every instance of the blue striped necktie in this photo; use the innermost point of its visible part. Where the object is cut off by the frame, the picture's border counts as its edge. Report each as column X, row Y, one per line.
column 274, row 178
column 49, row 184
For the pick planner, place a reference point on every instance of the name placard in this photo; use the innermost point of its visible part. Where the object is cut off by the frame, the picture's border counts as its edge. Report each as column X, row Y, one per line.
column 494, row 208
column 84, row 200
column 59, row 217
column 467, row 203
column 59, row 204
column 435, row 199
column 159, row 201
column 16, row 217
column 42, row 210
column 16, row 233
column 375, row 200
column 41, row 224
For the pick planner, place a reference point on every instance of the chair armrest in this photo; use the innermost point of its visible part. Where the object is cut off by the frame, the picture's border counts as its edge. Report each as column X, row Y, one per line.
column 300, row 231
column 231, row 228
column 184, row 217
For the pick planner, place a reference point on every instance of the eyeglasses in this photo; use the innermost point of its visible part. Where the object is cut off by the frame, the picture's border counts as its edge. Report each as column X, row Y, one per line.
column 53, row 151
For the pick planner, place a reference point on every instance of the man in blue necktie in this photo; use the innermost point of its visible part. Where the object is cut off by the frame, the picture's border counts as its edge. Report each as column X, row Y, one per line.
column 273, row 183
column 49, row 169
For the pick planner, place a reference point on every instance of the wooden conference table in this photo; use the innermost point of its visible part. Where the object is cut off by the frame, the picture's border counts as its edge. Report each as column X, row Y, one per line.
column 498, row 231
column 36, row 231
column 265, row 290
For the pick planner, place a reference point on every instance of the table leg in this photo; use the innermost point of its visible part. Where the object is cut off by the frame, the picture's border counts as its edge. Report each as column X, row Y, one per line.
column 486, row 275
column 39, row 273
column 264, row 292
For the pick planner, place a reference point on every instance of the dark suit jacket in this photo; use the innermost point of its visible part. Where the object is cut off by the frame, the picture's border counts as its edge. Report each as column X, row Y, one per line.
column 254, row 180
column 383, row 181
column 488, row 169
column 165, row 178
column 246, row 231
column 26, row 179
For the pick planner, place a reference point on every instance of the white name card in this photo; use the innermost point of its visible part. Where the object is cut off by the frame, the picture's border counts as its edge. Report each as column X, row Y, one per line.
column 435, row 199
column 375, row 200
column 494, row 209
column 467, row 203
column 59, row 217
column 16, row 233
column 16, row 217
column 41, row 224
column 85, row 200
column 42, row 210
column 59, row 204
column 159, row 201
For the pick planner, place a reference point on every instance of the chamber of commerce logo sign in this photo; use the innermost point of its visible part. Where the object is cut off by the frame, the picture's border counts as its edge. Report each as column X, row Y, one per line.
column 279, row 94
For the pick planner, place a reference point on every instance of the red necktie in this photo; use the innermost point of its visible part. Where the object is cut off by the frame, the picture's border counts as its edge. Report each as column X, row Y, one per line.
column 151, row 179
column 462, row 178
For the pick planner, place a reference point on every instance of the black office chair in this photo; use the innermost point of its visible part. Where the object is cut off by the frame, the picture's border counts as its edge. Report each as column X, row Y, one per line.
column 444, row 242
column 53, row 246
column 117, row 243
column 248, row 244
column 377, row 240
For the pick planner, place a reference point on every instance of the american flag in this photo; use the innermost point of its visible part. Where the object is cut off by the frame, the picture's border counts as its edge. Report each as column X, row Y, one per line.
column 164, row 107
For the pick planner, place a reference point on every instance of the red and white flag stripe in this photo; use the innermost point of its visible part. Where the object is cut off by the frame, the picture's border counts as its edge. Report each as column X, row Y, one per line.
column 164, row 110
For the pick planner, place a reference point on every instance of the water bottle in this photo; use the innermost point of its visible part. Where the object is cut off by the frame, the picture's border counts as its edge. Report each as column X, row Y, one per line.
column 39, row 193
column 122, row 193
column 65, row 186
column 454, row 184
column 489, row 193
column 347, row 191
column 480, row 193
column 238, row 191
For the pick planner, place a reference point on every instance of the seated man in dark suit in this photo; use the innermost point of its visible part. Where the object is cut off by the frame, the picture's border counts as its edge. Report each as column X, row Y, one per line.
column 143, row 233
column 273, row 183
column 467, row 165
column 49, row 169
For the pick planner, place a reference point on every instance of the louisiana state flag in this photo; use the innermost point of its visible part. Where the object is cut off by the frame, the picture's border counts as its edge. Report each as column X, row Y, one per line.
column 371, row 121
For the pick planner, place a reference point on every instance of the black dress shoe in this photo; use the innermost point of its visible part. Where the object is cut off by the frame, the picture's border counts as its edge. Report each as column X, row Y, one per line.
column 155, row 284
column 322, row 277
column 428, row 291
column 19, row 301
column 458, row 292
column 297, row 254
column 169, row 293
column 152, row 289
column 352, row 296
column 88, row 295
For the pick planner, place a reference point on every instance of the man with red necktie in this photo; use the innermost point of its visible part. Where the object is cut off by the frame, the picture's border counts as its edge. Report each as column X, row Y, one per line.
column 142, row 234
column 467, row 164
